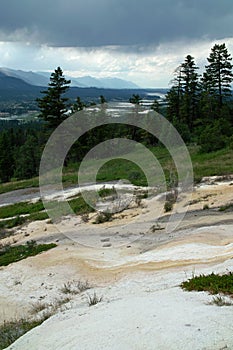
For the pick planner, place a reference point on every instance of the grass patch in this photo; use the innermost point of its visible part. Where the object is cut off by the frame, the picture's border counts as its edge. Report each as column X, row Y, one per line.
column 212, row 283
column 11, row 254
column 12, row 330
column 12, row 222
column 20, row 208
column 227, row 207
column 79, row 206
column 106, row 192
column 18, row 185
column 204, row 164
column 211, row 164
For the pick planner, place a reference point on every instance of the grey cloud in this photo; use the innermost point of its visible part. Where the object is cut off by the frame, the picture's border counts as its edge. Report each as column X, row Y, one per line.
column 115, row 22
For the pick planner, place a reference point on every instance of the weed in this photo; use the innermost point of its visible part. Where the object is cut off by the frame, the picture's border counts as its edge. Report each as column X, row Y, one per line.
column 220, row 301
column 103, row 217
column 85, row 217
column 38, row 307
column 94, row 299
column 75, row 287
column 206, row 207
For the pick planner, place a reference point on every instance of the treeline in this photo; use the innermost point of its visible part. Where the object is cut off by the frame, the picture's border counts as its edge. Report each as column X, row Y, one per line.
column 200, row 106
column 21, row 147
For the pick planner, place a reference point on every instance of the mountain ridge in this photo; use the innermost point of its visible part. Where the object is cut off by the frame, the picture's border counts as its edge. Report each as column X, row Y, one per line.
column 42, row 79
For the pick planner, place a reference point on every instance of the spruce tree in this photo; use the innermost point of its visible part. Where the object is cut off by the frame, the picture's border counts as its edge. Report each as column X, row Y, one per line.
column 219, row 73
column 190, row 88
column 53, row 105
column 182, row 99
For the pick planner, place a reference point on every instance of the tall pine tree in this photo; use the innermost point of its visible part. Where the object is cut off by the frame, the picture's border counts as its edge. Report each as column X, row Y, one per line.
column 219, row 73
column 53, row 105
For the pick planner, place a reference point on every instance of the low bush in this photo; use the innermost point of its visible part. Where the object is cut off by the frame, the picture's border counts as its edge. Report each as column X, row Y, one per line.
column 103, row 217
column 212, row 283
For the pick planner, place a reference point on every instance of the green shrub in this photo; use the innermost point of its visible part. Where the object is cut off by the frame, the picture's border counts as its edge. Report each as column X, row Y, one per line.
column 103, row 217
column 168, row 206
column 212, row 283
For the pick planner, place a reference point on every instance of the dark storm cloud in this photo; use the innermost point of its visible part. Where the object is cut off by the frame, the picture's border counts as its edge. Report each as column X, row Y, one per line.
column 114, row 22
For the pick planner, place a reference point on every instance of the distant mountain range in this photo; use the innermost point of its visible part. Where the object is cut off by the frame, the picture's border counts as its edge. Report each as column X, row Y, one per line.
column 42, row 79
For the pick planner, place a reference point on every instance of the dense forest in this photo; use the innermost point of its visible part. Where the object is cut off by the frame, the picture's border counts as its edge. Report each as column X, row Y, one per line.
column 200, row 106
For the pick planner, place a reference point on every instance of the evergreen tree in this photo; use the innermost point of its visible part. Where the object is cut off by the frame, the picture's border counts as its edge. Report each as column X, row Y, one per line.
column 135, row 99
column 79, row 105
column 27, row 158
column 174, row 96
column 189, row 81
column 102, row 99
column 6, row 156
column 182, row 99
column 53, row 105
column 219, row 73
column 155, row 106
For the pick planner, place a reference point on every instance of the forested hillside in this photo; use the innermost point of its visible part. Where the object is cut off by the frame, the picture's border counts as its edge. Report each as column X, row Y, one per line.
column 199, row 105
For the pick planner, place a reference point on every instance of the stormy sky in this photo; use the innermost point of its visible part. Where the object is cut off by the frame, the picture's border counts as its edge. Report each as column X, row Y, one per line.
column 142, row 41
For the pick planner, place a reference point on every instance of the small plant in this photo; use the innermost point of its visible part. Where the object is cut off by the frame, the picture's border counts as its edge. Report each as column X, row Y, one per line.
column 220, row 301
column 94, row 299
column 168, row 206
column 138, row 201
column 85, row 217
column 206, row 207
column 103, row 217
column 75, row 287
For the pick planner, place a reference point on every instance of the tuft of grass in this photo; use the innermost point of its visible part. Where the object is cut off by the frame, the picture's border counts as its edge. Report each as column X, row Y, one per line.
column 212, row 283
column 220, row 301
column 94, row 299
column 75, row 287
column 38, row 307
column 11, row 254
